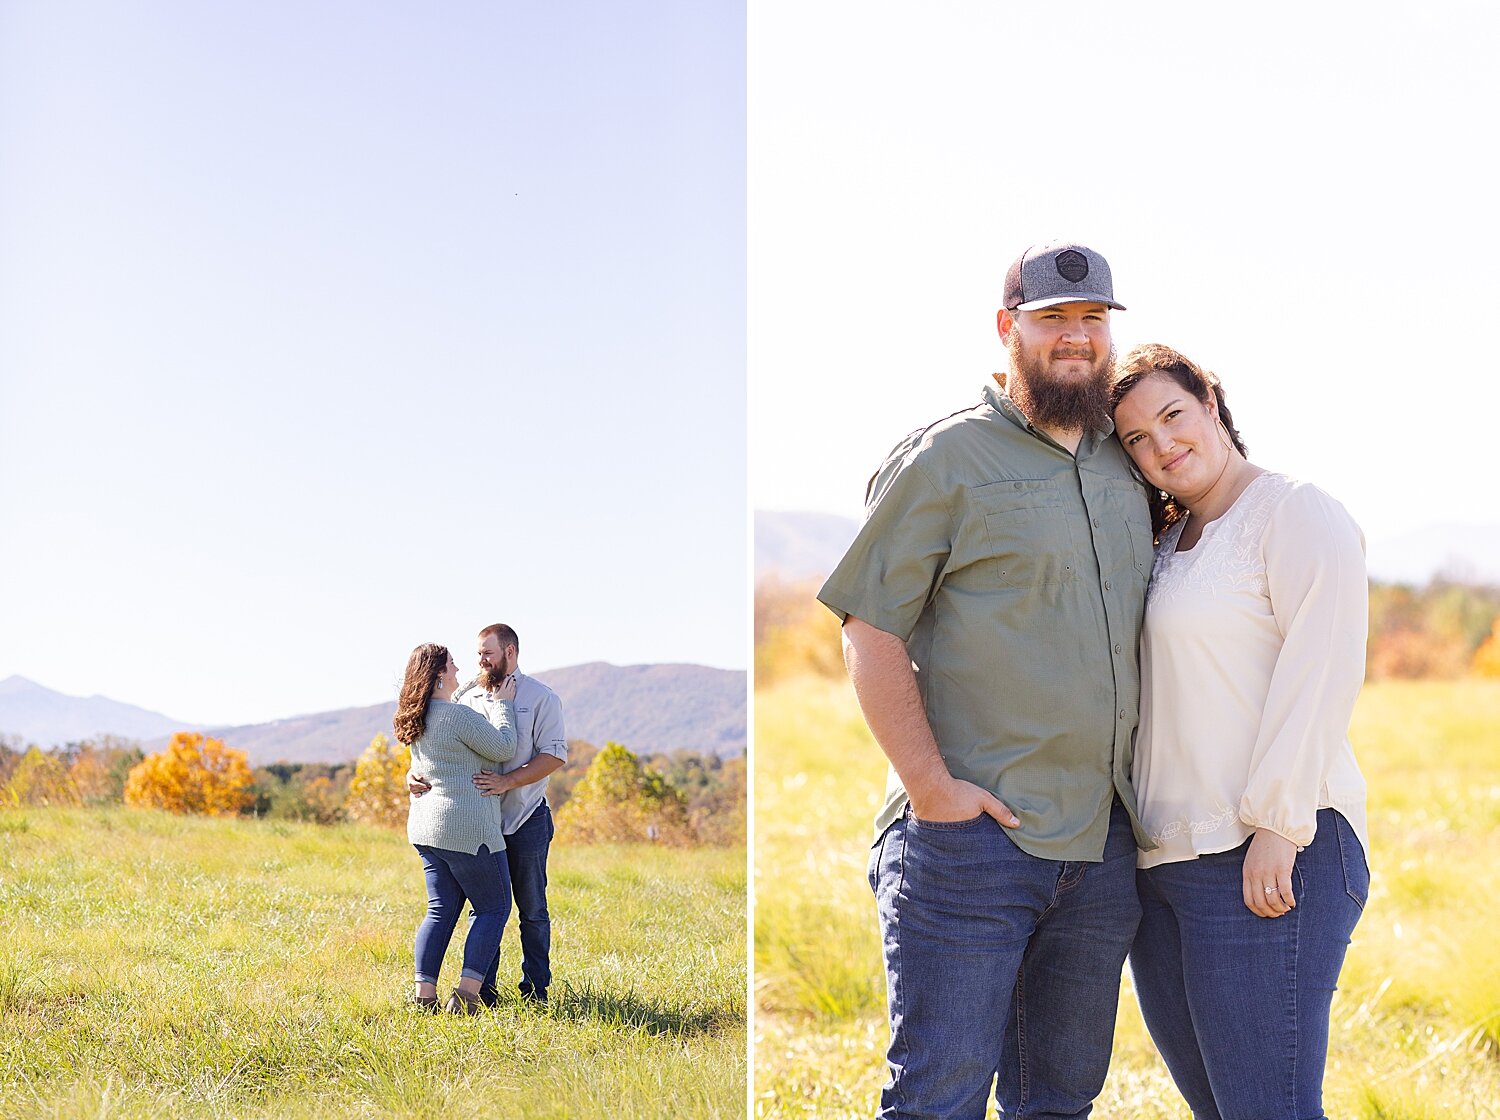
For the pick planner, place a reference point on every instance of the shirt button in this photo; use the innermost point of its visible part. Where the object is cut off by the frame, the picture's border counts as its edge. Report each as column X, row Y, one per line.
column 1122, row 713
column 1096, row 523
column 1107, row 585
column 1018, row 485
column 1118, row 649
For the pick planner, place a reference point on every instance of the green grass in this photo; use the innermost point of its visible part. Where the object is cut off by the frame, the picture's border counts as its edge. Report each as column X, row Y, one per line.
column 158, row 966
column 1416, row 1023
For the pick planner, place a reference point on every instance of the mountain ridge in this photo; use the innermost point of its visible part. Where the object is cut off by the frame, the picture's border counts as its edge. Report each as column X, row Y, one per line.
column 650, row 708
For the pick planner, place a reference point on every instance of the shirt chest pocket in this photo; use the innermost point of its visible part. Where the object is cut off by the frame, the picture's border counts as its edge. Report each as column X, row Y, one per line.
column 1126, row 505
column 1026, row 541
column 525, row 713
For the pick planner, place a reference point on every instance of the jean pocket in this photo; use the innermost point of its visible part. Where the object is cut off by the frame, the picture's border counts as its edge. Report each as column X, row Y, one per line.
column 948, row 826
column 1352, row 856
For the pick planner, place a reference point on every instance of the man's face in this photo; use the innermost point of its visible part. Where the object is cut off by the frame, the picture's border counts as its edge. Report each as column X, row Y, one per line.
column 497, row 661
column 1060, row 363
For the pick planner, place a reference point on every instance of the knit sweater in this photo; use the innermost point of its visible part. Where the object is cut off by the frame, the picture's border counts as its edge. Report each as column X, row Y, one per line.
column 457, row 743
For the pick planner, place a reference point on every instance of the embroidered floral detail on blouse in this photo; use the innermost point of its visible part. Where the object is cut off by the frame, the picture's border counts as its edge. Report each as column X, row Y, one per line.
column 1227, row 557
column 1197, row 828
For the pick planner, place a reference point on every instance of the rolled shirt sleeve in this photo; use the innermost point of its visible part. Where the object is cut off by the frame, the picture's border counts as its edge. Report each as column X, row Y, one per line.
column 1315, row 572
column 547, row 734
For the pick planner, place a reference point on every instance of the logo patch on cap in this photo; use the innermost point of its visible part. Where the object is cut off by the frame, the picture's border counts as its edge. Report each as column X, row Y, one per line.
column 1072, row 265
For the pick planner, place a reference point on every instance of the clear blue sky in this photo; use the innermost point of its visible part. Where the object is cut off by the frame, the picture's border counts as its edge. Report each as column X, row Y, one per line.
column 1300, row 197
column 331, row 328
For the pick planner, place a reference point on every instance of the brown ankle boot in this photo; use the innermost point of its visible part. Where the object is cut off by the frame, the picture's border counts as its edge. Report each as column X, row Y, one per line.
column 462, row 1003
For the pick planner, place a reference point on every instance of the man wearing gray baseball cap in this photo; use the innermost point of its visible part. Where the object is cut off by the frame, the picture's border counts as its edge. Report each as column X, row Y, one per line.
column 992, row 604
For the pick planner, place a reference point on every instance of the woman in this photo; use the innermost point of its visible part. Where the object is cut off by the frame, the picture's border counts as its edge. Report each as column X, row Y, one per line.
column 455, row 829
column 1252, row 654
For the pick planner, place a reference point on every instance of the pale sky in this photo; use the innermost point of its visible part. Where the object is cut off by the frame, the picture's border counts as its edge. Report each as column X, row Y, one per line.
column 327, row 329
column 1299, row 197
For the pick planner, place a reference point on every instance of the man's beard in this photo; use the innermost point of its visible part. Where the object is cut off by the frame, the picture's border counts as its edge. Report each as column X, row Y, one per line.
column 491, row 679
column 1071, row 404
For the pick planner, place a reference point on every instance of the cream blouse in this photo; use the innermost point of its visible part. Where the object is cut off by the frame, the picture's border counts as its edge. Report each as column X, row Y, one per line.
column 1252, row 654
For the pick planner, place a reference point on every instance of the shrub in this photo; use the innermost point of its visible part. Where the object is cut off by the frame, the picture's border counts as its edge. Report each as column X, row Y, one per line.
column 193, row 775
column 378, row 793
column 621, row 801
column 40, row 779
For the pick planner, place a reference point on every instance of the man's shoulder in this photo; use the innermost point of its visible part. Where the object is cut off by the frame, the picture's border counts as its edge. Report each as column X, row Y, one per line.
column 945, row 447
column 954, row 432
column 534, row 688
column 470, row 695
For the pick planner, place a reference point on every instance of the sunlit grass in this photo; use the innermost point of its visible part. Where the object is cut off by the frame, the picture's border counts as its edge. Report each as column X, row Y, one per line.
column 156, row 966
column 1416, row 1024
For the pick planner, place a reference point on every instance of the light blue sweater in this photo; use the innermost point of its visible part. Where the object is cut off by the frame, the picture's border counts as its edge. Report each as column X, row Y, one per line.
column 456, row 744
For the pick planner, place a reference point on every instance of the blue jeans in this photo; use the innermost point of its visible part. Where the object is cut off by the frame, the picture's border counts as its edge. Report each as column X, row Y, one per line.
column 483, row 879
column 999, row 962
column 526, row 855
column 1238, row 1005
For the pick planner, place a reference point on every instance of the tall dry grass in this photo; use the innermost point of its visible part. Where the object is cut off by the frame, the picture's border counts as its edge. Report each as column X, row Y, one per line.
column 160, row 966
column 1417, row 1020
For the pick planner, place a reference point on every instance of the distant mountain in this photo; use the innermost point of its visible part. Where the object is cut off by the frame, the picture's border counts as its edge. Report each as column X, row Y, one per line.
column 39, row 715
column 802, row 546
column 1468, row 553
column 795, row 546
column 653, row 708
column 649, row 708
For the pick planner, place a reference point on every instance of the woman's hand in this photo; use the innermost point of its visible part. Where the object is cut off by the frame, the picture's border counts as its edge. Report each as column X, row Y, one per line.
column 1268, row 864
column 506, row 689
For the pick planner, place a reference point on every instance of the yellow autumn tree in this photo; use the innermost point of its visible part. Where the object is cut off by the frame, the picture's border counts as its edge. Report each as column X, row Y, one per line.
column 1486, row 661
column 377, row 794
column 39, row 779
column 194, row 774
column 621, row 801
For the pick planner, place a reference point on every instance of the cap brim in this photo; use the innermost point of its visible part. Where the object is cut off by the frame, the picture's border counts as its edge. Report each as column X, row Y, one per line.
column 1072, row 297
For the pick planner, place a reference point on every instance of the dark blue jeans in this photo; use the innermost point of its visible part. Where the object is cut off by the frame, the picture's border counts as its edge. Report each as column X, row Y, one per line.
column 998, row 962
column 526, row 855
column 483, row 879
column 1238, row 1005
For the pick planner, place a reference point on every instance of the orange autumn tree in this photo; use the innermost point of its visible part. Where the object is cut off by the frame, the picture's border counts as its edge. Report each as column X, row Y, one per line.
column 1486, row 661
column 193, row 775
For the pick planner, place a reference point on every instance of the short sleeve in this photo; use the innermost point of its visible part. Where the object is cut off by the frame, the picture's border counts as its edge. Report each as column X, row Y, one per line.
column 894, row 565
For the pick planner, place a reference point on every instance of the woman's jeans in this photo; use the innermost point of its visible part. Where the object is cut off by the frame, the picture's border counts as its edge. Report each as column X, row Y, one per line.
column 1238, row 1005
column 484, row 880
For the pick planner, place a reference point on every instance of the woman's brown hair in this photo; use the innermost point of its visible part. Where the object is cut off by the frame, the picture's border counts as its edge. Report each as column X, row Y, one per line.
column 1152, row 359
column 423, row 669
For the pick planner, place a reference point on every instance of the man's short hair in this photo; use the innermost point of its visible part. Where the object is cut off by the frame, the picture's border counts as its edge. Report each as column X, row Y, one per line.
column 503, row 634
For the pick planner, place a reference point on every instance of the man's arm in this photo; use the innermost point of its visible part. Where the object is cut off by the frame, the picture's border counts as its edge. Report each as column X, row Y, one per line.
column 880, row 669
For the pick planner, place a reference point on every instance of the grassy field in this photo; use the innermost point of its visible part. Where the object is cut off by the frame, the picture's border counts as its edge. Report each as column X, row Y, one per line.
column 1416, row 1024
column 157, row 966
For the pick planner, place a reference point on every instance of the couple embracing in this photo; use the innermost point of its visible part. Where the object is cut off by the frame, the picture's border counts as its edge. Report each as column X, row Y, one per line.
column 481, row 755
column 1112, row 663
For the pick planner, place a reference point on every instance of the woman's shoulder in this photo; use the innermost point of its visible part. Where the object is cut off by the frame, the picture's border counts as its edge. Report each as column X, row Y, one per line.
column 1302, row 511
column 1298, row 497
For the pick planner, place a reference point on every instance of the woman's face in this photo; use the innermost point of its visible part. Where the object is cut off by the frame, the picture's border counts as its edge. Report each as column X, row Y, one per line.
column 448, row 682
column 1173, row 437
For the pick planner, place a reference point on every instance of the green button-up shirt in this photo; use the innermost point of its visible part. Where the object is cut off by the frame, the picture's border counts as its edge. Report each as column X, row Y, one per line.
column 1016, row 574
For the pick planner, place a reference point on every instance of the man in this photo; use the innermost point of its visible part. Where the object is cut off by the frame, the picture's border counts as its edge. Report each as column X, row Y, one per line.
column 992, row 602
column 521, row 785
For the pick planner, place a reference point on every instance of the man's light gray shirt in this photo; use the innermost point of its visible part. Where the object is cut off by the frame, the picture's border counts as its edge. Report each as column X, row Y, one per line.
column 539, row 730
